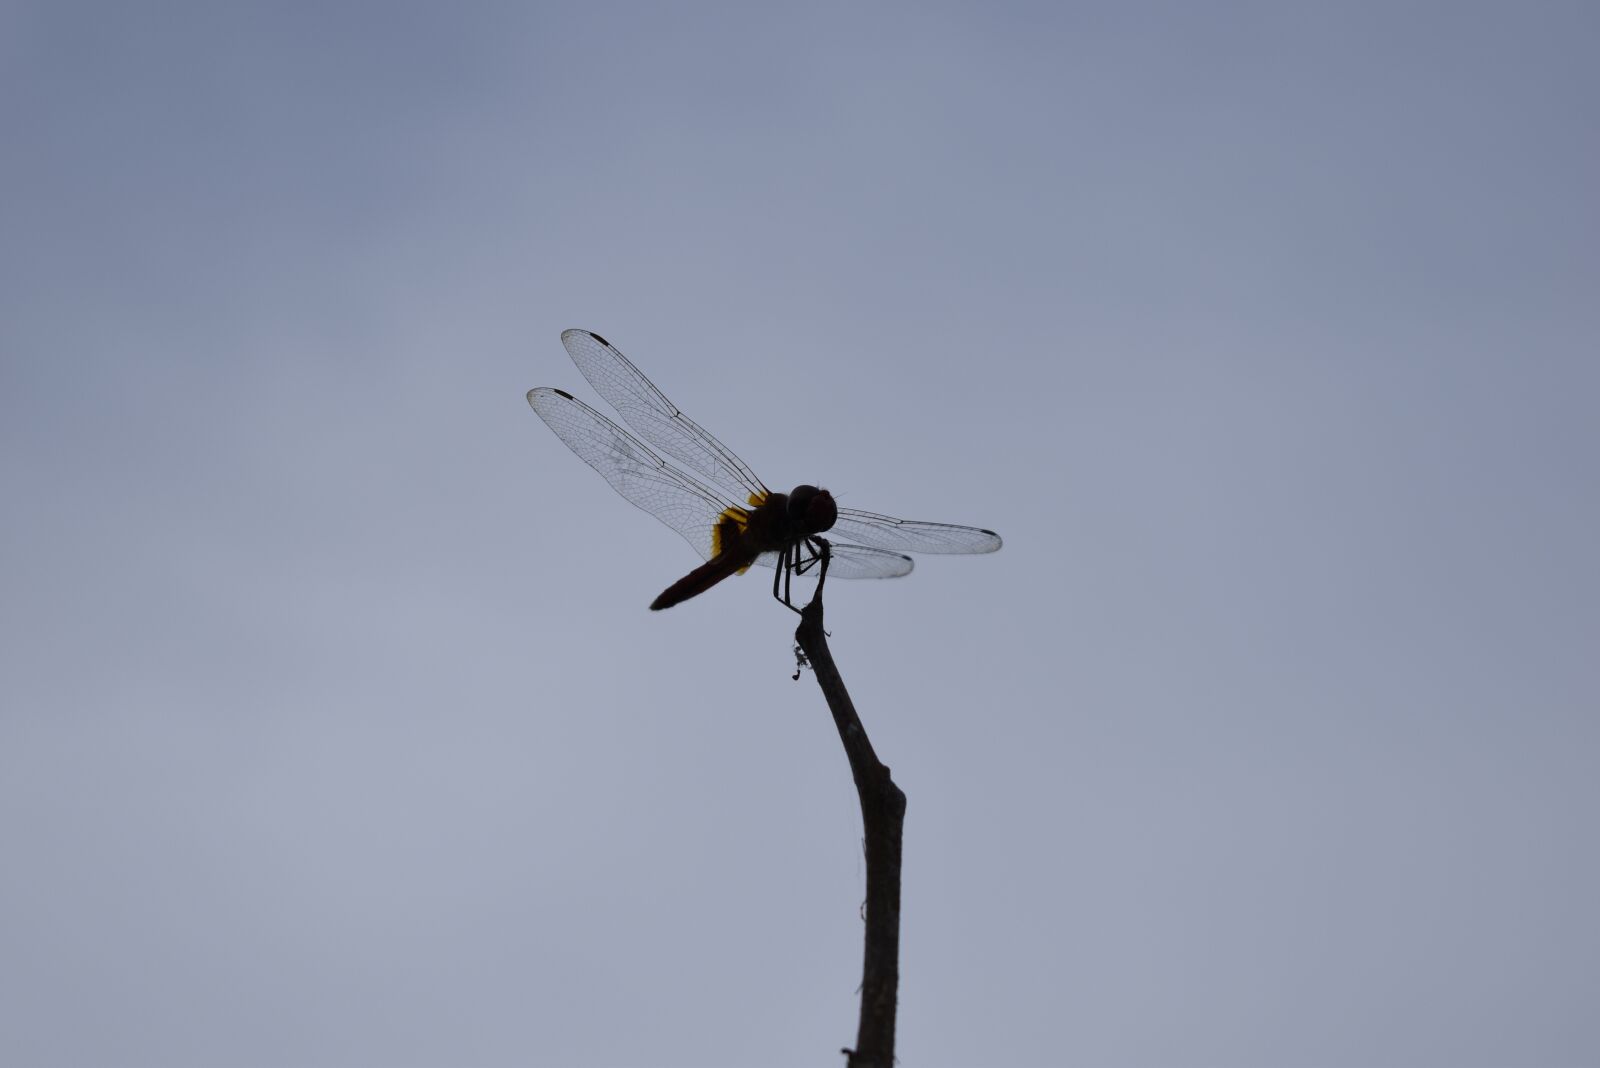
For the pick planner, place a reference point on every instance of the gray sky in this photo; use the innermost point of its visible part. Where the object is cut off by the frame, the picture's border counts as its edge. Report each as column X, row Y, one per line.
column 335, row 730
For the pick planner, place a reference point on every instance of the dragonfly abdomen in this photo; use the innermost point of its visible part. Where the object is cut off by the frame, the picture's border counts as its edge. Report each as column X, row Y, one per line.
column 703, row 578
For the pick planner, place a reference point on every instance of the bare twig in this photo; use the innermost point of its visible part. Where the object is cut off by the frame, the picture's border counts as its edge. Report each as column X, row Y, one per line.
column 883, row 809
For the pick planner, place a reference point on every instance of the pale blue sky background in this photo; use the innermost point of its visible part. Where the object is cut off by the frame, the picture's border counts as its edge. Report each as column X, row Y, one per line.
column 335, row 730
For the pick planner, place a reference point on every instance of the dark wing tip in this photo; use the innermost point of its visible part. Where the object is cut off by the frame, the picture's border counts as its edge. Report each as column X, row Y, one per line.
column 568, row 335
column 534, row 393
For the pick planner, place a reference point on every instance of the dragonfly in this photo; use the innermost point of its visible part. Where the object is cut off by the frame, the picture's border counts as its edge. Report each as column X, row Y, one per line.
column 714, row 500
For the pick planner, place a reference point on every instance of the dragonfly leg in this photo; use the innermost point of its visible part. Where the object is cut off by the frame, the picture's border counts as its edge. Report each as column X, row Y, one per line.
column 783, row 574
column 788, row 577
column 810, row 553
column 799, row 558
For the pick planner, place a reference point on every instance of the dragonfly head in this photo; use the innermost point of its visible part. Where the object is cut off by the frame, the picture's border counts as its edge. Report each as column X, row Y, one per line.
column 812, row 509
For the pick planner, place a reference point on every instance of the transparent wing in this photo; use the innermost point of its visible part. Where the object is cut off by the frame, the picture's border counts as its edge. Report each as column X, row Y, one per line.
column 909, row 535
column 854, row 561
column 645, row 479
column 656, row 419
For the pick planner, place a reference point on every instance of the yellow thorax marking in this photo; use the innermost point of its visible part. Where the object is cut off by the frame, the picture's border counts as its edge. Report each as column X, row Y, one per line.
column 739, row 519
column 734, row 517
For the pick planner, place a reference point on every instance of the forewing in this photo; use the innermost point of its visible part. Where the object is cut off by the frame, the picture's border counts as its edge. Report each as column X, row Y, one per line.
column 853, row 562
column 910, row 535
column 645, row 479
column 656, row 419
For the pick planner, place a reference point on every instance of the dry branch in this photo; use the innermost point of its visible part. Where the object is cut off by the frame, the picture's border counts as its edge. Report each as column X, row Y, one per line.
column 883, row 809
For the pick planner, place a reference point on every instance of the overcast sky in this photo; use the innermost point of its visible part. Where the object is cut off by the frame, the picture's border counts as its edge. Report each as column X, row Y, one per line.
column 335, row 730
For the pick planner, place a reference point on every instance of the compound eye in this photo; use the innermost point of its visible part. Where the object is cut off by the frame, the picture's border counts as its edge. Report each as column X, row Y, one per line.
column 821, row 512
column 800, row 499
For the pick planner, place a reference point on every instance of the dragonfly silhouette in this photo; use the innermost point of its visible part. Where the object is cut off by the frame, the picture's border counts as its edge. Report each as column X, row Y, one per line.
column 714, row 500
